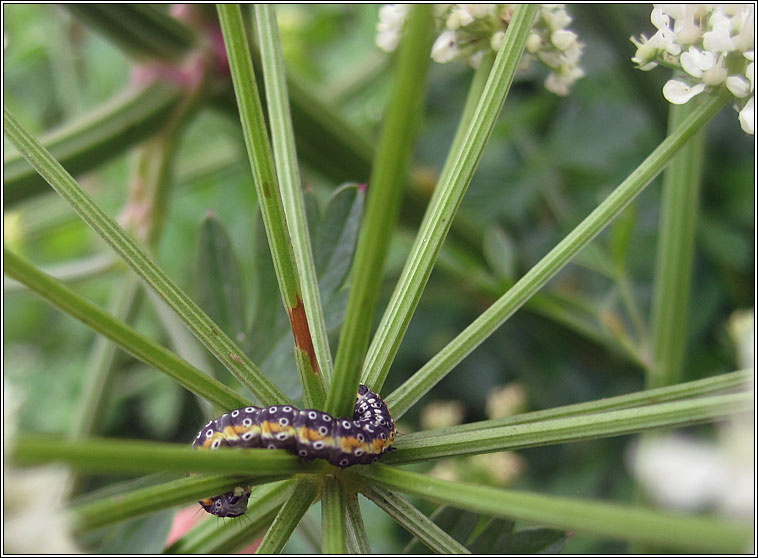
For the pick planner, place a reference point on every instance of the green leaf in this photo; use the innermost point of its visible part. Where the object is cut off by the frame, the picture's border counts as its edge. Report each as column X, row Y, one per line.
column 500, row 253
column 336, row 236
column 531, row 541
column 269, row 322
column 219, row 280
column 457, row 523
column 413, row 521
column 619, row 235
column 486, row 540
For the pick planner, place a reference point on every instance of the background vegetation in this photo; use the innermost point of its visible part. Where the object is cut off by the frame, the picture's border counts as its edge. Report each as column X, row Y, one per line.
column 548, row 164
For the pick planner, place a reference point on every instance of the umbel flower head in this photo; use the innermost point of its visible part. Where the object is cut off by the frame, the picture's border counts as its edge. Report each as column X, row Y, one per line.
column 467, row 31
column 709, row 46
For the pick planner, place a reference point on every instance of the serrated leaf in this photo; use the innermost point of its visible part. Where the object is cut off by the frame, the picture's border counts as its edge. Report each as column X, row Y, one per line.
column 218, row 278
column 458, row 523
column 269, row 319
column 500, row 253
column 486, row 541
column 336, row 236
column 532, row 541
column 619, row 235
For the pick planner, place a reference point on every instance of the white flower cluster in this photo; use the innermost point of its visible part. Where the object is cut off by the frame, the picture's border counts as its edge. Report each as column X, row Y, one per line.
column 467, row 31
column 712, row 46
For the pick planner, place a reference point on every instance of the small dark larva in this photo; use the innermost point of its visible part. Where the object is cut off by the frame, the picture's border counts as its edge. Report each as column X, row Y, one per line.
column 307, row 433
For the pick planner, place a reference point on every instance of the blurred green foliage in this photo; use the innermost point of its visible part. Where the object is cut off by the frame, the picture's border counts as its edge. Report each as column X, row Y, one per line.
column 548, row 164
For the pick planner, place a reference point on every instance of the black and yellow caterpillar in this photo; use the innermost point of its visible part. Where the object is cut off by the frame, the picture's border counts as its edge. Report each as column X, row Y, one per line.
column 307, row 432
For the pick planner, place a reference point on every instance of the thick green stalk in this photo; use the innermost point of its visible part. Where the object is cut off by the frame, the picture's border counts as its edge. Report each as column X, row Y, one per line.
column 333, row 514
column 388, row 178
column 413, row 521
column 120, row 333
column 285, row 157
column 133, row 456
column 444, row 204
column 269, row 199
column 196, row 320
column 676, row 246
column 481, row 328
column 96, row 137
column 290, row 514
column 700, row 534
column 430, row 445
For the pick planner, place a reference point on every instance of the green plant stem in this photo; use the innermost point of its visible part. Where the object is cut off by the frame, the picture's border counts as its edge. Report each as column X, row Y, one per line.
column 430, row 445
column 269, row 199
column 413, row 521
column 739, row 380
column 333, row 514
column 198, row 322
column 290, row 514
column 133, row 456
column 388, row 178
column 446, row 199
column 120, row 333
column 357, row 537
column 444, row 361
column 676, row 246
column 285, row 157
column 709, row 534
column 72, row 271
column 94, row 138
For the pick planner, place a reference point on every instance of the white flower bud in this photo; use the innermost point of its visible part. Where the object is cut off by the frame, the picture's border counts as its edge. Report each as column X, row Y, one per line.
column 497, row 40
column 445, row 48
column 563, row 39
column 533, row 43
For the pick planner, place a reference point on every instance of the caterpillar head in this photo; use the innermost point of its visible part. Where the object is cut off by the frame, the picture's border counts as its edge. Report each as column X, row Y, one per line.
column 228, row 504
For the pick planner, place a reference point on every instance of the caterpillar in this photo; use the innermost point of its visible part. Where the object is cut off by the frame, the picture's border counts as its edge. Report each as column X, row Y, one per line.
column 308, row 433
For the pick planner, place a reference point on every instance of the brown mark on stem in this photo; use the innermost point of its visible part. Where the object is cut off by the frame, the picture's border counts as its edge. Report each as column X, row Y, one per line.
column 301, row 333
column 234, row 357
